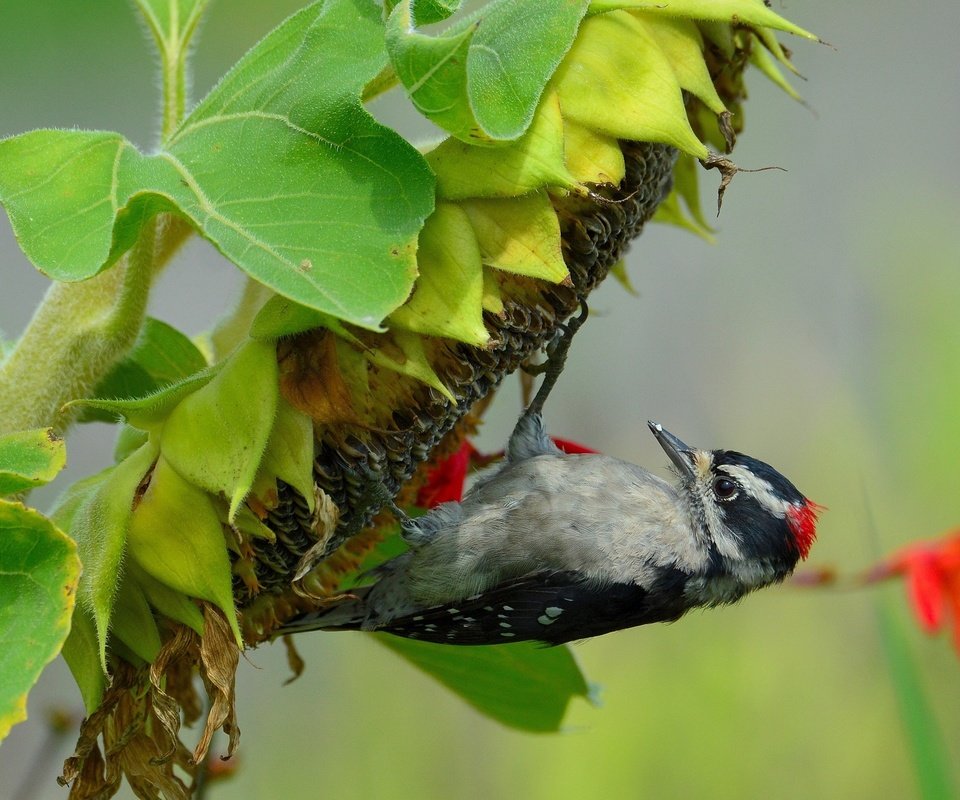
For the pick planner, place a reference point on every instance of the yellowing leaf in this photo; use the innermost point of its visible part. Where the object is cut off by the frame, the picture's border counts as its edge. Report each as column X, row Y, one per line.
column 749, row 12
column 681, row 42
column 519, row 235
column 616, row 80
column 175, row 536
column 492, row 299
column 447, row 297
column 592, row 157
column 533, row 161
column 763, row 61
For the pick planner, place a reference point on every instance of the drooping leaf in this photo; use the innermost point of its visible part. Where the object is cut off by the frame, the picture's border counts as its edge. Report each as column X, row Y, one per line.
column 519, row 235
column 523, row 685
column 39, row 570
column 30, row 458
column 482, row 78
column 534, row 161
column 448, row 294
column 411, row 360
column 279, row 167
column 618, row 81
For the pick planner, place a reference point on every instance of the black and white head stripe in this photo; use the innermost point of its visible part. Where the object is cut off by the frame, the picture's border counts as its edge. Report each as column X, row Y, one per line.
column 759, row 512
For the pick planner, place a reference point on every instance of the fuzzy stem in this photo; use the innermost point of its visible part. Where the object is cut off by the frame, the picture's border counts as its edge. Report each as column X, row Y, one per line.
column 79, row 331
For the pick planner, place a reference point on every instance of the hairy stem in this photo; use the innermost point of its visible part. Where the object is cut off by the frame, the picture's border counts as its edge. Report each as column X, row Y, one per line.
column 79, row 331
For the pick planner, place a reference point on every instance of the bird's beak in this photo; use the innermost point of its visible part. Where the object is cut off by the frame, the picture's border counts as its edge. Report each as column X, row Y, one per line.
column 680, row 454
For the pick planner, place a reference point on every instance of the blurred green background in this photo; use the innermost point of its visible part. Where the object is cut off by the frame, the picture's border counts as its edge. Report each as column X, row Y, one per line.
column 819, row 334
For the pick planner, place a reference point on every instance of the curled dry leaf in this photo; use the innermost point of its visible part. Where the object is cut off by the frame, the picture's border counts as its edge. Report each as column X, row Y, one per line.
column 137, row 725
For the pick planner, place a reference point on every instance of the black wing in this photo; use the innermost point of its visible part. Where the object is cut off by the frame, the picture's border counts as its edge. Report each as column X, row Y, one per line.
column 553, row 607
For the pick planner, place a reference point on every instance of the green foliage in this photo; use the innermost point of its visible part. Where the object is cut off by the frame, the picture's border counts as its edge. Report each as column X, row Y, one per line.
column 283, row 170
column 39, row 570
column 325, row 208
column 483, row 78
column 29, row 459
column 927, row 747
column 523, row 685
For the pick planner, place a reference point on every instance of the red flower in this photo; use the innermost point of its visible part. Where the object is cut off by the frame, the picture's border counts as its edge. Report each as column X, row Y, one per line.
column 446, row 480
column 932, row 573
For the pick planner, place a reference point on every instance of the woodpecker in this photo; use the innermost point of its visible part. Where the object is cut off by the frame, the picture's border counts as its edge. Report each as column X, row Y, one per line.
column 556, row 547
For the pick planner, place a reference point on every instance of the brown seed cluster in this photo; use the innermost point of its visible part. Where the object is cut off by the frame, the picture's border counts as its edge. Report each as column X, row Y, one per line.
column 359, row 464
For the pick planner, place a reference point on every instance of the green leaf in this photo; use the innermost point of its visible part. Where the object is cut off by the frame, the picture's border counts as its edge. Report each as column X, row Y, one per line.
column 282, row 317
column 618, row 81
column 30, row 458
column 169, row 602
column 161, row 356
column 447, row 297
column 426, row 12
column 100, row 526
column 279, row 167
column 519, row 235
column 483, row 78
column 534, row 161
column 216, row 437
column 931, row 760
column 525, row 685
column 39, row 570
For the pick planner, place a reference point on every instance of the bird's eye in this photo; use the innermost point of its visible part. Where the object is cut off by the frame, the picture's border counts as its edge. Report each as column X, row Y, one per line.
column 724, row 488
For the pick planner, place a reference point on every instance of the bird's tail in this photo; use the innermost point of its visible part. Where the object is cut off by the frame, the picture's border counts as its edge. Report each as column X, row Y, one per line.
column 344, row 614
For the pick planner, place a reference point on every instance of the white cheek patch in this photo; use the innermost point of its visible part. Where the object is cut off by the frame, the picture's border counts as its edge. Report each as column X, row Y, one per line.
column 725, row 540
column 757, row 488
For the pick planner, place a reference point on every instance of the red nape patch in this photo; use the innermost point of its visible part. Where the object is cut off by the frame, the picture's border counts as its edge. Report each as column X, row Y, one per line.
column 803, row 525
